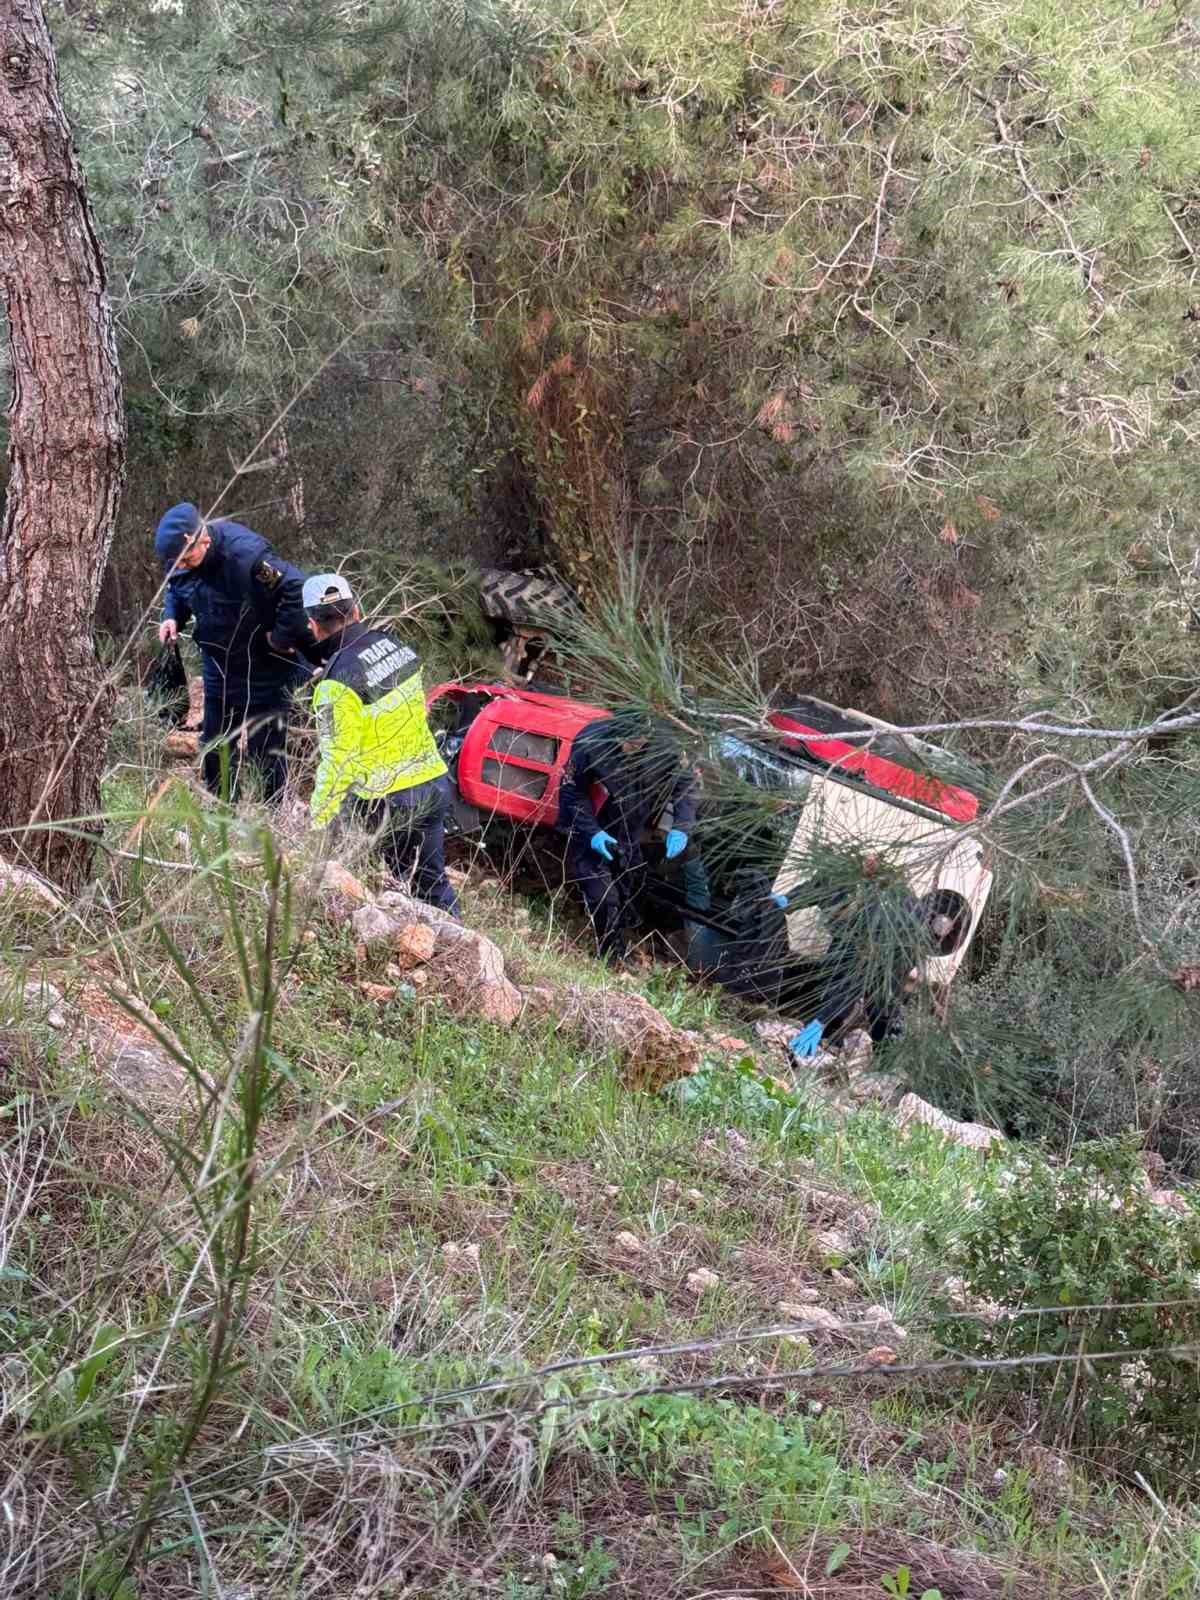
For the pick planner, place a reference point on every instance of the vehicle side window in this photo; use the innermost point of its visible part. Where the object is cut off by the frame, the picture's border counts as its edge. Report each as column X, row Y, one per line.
column 528, row 781
column 528, row 746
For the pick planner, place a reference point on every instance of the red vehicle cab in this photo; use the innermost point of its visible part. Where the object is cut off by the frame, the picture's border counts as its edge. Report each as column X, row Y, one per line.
column 514, row 746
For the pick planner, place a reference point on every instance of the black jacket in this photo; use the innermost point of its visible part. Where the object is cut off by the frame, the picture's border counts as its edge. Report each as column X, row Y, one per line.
column 640, row 785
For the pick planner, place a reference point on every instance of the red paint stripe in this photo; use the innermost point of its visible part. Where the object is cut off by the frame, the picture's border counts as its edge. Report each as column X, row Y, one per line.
column 947, row 798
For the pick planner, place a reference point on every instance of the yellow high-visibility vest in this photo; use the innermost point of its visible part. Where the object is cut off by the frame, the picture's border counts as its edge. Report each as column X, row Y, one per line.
column 372, row 729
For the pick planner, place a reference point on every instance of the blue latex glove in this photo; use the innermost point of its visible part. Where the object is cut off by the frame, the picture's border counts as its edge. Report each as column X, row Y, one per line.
column 676, row 843
column 805, row 1043
column 781, row 900
column 602, row 843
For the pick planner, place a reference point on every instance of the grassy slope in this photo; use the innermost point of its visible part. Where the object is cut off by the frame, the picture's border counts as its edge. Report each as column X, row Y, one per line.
column 437, row 1205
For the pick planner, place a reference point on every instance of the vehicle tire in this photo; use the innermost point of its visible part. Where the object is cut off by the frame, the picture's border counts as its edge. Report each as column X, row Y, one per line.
column 532, row 597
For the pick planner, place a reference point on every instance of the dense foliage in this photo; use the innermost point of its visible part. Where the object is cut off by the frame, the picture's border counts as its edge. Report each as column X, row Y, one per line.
column 876, row 322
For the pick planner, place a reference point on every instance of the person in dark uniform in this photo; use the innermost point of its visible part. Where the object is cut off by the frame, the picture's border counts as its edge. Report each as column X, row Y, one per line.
column 878, row 933
column 249, row 624
column 642, row 773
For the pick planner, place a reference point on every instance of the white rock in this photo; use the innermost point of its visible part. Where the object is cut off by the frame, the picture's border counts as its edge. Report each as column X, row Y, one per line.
column 857, row 1051
column 831, row 1242
column 630, row 1244
column 881, row 1318
column 373, row 926
column 822, row 1318
column 337, row 879
column 802, row 1294
column 21, row 884
column 912, row 1110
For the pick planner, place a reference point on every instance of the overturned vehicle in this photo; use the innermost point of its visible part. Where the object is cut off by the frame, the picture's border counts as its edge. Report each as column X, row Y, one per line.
column 812, row 859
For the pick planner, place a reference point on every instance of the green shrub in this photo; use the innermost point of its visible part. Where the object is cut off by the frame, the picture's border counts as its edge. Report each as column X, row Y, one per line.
column 762, row 1470
column 1089, row 1236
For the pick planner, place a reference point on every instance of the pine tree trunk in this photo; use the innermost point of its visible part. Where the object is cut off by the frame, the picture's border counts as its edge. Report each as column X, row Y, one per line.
column 66, row 457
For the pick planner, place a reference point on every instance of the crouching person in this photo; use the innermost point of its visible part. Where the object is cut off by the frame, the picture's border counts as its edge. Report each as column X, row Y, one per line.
column 376, row 748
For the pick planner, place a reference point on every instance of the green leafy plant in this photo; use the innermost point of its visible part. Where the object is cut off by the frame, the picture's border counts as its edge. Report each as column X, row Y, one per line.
column 899, row 1585
column 764, row 1468
column 1088, row 1235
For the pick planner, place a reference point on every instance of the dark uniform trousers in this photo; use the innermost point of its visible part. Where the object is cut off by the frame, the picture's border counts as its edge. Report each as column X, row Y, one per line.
column 410, row 826
column 610, row 889
column 266, row 743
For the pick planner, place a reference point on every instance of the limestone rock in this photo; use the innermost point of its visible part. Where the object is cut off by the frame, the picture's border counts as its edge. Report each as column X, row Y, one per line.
column 468, row 969
column 702, row 1281
column 856, row 1052
column 880, row 1355
column 728, row 1044
column 883, row 1086
column 373, row 929
column 543, row 1000
column 381, row 932
column 882, row 1321
column 498, row 1002
column 181, row 745
column 799, row 1293
column 821, row 1319
column 652, row 1052
column 775, row 1034
column 832, row 1242
column 337, row 879
column 913, row 1111
column 381, row 993
column 407, row 908
column 629, row 1244
column 122, row 1045
column 19, row 884
column 438, row 953
column 464, row 959
column 414, row 944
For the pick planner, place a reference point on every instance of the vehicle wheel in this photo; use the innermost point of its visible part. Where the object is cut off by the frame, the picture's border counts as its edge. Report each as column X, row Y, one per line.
column 532, row 597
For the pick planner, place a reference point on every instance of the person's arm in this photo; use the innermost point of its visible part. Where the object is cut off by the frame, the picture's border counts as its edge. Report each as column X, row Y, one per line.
column 575, row 812
column 281, row 585
column 684, row 797
column 339, row 713
column 176, row 612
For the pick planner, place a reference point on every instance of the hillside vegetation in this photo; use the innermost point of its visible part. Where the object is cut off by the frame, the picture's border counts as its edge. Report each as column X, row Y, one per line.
column 358, row 1295
column 825, row 349
column 871, row 328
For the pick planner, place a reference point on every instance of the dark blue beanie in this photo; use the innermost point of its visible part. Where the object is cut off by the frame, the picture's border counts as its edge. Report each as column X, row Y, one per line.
column 175, row 529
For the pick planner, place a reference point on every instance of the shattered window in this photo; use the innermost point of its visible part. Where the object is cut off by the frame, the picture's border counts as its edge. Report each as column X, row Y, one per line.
column 515, row 780
column 528, row 746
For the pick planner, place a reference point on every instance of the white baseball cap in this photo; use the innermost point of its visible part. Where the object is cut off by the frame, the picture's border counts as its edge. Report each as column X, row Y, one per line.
column 325, row 588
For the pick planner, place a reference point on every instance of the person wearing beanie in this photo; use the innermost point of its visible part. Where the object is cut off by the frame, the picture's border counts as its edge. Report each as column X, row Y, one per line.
column 245, row 604
column 376, row 748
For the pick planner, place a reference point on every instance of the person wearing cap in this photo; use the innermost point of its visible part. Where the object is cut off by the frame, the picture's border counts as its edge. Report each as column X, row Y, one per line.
column 376, row 748
column 245, row 603
column 640, row 774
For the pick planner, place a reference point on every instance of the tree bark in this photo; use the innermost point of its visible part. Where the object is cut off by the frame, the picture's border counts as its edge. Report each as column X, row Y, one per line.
column 66, row 459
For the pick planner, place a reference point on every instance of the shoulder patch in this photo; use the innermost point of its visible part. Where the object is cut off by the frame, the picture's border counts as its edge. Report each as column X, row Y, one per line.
column 270, row 577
